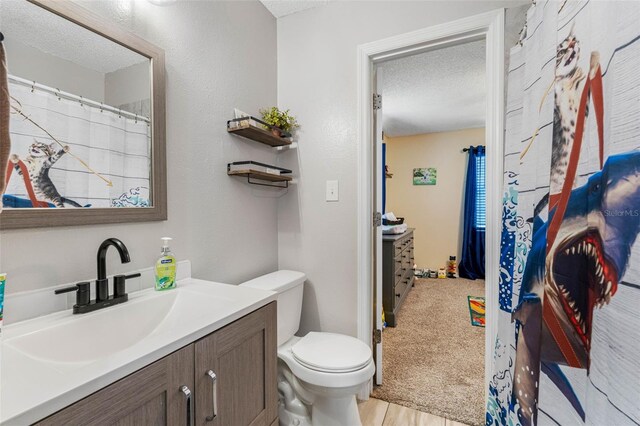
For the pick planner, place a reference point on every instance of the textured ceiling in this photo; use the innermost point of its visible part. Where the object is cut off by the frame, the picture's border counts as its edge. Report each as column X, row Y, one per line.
column 32, row 25
column 280, row 8
column 436, row 91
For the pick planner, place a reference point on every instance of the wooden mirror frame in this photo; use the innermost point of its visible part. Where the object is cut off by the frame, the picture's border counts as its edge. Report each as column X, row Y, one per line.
column 41, row 217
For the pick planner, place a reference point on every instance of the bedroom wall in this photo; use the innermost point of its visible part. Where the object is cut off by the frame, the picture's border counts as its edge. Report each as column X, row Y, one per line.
column 434, row 210
column 317, row 73
column 210, row 58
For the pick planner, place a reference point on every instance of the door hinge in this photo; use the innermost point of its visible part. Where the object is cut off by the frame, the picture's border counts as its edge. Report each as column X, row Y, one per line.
column 377, row 219
column 377, row 337
column 377, row 101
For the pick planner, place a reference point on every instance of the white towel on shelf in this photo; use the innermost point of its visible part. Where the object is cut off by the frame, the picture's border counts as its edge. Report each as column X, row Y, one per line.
column 394, row 229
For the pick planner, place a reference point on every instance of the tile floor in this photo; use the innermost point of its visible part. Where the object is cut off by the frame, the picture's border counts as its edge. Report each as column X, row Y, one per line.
column 376, row 412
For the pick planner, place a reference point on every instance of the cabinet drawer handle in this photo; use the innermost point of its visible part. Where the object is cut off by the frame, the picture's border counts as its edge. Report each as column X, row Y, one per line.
column 214, row 384
column 187, row 395
column 397, row 294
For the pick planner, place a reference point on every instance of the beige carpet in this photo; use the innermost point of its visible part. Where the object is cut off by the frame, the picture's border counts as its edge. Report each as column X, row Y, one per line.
column 433, row 360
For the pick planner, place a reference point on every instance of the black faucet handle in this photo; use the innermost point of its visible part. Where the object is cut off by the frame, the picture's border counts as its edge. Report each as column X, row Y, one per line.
column 66, row 289
column 84, row 286
column 118, row 284
column 83, row 295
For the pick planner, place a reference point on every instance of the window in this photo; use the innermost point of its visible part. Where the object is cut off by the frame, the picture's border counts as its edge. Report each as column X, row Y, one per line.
column 481, row 193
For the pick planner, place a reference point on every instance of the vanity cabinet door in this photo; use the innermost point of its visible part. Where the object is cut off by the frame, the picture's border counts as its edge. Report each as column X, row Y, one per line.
column 235, row 372
column 150, row 396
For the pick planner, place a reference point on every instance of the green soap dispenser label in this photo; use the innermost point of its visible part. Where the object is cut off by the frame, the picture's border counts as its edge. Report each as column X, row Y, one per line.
column 166, row 267
column 166, row 273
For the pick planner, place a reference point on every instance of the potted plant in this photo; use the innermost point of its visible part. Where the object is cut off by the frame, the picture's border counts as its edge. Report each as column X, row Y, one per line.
column 284, row 121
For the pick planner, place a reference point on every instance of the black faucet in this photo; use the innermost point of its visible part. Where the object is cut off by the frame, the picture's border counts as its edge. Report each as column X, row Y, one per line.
column 102, row 300
column 102, row 283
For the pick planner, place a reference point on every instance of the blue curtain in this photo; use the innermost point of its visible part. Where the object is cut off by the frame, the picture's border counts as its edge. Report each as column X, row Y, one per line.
column 384, row 178
column 473, row 243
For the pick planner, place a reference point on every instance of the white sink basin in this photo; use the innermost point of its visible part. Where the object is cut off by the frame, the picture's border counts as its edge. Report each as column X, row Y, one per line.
column 88, row 337
column 50, row 362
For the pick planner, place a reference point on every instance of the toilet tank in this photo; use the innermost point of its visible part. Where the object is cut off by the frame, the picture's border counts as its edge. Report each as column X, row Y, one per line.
column 289, row 286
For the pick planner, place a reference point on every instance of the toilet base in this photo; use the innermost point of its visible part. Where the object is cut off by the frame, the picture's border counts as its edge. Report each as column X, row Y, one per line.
column 288, row 418
column 305, row 404
column 335, row 411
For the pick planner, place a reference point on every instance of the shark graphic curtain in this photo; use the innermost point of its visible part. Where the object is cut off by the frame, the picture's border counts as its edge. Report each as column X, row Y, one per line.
column 568, row 345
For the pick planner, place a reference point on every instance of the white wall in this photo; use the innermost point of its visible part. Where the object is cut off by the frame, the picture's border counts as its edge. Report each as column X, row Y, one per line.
column 317, row 80
column 127, row 85
column 218, row 55
column 33, row 64
column 119, row 87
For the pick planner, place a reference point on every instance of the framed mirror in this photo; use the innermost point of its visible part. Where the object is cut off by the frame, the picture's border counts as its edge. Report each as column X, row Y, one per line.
column 87, row 121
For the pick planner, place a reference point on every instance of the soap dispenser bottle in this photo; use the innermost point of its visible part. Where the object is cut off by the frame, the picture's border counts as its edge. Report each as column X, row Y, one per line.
column 165, row 268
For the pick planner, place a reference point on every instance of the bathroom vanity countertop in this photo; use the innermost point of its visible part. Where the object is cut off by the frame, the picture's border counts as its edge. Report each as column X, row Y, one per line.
column 36, row 383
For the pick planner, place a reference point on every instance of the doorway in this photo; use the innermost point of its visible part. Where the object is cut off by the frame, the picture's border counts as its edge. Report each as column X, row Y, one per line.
column 433, row 204
column 488, row 27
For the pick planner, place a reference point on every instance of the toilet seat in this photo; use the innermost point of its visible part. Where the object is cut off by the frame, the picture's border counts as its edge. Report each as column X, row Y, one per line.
column 333, row 379
column 331, row 353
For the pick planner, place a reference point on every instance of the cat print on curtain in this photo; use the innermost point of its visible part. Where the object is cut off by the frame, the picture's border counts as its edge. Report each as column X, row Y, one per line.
column 69, row 154
column 568, row 344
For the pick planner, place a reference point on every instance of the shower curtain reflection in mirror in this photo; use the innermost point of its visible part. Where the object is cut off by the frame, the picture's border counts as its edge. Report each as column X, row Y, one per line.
column 72, row 152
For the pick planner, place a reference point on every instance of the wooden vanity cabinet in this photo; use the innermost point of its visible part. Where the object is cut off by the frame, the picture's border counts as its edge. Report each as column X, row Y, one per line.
column 241, row 355
column 150, row 396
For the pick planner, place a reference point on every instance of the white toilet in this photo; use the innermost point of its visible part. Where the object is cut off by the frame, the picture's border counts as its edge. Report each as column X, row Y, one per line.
column 318, row 374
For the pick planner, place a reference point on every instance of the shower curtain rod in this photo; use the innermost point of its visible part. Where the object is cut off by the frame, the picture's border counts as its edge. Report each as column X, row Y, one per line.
column 71, row 97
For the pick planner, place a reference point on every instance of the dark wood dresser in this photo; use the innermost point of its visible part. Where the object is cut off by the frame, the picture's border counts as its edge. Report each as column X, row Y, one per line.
column 397, row 272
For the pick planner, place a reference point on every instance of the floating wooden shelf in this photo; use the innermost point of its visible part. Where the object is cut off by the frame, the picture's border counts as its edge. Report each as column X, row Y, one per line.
column 260, row 176
column 247, row 129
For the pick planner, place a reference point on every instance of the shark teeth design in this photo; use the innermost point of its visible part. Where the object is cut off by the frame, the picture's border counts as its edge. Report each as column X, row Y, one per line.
column 601, row 282
column 576, row 312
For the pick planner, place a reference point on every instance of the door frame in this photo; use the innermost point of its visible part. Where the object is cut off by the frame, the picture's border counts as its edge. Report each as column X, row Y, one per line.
column 490, row 26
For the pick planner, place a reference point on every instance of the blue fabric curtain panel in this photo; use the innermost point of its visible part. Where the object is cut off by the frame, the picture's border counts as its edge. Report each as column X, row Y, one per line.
column 473, row 241
column 568, row 340
column 384, row 178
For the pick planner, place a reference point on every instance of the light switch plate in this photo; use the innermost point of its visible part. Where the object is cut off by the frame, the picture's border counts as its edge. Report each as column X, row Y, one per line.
column 332, row 190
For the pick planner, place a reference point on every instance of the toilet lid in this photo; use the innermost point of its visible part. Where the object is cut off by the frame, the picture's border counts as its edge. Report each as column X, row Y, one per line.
column 329, row 352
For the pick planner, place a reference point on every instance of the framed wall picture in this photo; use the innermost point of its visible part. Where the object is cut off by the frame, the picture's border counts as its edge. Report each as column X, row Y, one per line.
column 425, row 176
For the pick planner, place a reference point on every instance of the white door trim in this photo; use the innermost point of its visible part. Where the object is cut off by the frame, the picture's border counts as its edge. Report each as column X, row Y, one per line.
column 488, row 25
